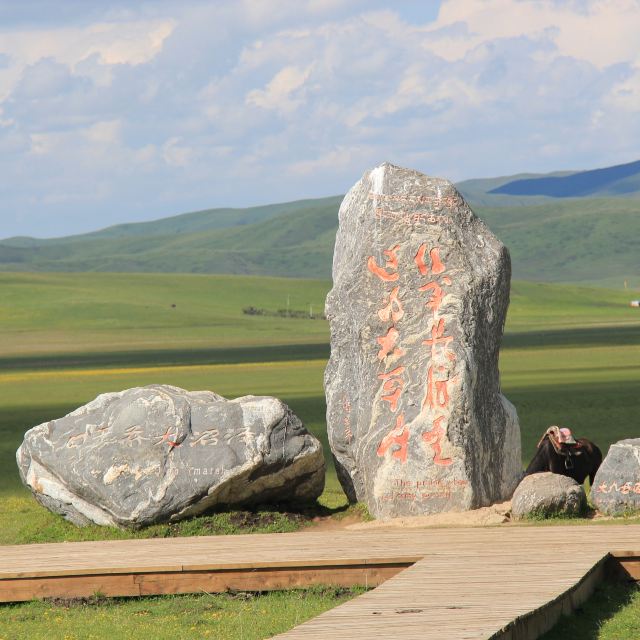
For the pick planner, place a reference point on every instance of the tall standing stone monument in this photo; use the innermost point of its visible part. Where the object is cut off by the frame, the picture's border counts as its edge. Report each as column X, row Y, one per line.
column 416, row 420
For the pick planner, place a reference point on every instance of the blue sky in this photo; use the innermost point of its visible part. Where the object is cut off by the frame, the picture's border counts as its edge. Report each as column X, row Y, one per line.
column 115, row 111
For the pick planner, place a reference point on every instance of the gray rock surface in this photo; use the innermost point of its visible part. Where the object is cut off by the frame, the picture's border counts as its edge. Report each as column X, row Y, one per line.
column 160, row 453
column 415, row 417
column 548, row 494
column 616, row 487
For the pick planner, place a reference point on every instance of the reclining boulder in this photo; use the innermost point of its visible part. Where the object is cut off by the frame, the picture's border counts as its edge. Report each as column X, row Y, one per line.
column 160, row 453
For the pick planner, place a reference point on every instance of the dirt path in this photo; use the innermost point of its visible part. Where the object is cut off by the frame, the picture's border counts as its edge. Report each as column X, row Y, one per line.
column 487, row 516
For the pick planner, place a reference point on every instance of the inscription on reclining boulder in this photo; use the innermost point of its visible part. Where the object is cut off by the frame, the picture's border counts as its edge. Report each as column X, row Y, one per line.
column 616, row 487
column 160, row 453
column 416, row 420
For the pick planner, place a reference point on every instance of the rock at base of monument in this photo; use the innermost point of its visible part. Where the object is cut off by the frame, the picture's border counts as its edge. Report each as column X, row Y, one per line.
column 547, row 495
column 415, row 418
column 616, row 487
column 160, row 453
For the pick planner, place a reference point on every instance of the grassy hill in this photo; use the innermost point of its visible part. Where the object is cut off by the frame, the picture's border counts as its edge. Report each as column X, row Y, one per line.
column 183, row 224
column 292, row 239
column 585, row 240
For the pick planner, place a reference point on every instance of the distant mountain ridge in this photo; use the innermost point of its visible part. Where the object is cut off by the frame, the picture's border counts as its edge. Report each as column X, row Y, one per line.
column 555, row 239
column 622, row 179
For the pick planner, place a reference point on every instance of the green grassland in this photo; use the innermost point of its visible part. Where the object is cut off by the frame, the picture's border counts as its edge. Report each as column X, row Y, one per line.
column 119, row 316
column 612, row 613
column 581, row 240
column 242, row 616
column 62, row 314
column 571, row 356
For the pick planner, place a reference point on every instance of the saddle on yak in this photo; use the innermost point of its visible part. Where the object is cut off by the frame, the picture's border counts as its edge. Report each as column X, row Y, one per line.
column 563, row 443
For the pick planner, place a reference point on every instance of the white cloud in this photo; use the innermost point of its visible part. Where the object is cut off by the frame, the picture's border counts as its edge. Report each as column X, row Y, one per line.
column 625, row 95
column 41, row 143
column 602, row 32
column 282, row 93
column 175, row 153
column 335, row 160
column 134, row 43
column 325, row 6
column 104, row 132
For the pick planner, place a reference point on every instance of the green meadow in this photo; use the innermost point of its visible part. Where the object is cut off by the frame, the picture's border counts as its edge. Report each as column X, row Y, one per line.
column 222, row 616
column 612, row 613
column 137, row 316
column 570, row 356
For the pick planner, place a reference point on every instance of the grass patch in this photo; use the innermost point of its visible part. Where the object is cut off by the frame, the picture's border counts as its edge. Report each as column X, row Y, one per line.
column 239, row 616
column 612, row 613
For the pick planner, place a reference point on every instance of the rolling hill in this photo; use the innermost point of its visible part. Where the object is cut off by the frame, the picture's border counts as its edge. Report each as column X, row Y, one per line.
column 586, row 240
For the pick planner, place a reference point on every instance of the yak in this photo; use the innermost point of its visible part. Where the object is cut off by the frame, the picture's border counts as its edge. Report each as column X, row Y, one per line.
column 559, row 452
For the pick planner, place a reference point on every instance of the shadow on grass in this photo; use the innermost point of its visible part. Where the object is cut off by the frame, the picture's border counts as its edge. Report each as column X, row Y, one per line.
column 602, row 411
column 276, row 518
column 24, row 521
column 609, row 600
column 583, row 337
column 14, row 422
column 168, row 357
column 586, row 337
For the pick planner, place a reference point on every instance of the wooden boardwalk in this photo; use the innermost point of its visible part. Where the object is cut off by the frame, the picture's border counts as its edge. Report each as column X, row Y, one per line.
column 503, row 582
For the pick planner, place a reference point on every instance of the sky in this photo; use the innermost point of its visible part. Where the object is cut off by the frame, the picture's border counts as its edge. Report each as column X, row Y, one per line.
column 116, row 111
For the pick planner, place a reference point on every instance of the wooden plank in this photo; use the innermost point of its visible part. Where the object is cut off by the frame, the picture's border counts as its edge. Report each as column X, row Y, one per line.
column 279, row 549
column 264, row 579
column 627, row 567
column 538, row 621
column 111, row 585
column 367, row 574
column 404, row 561
column 22, row 589
column 204, row 566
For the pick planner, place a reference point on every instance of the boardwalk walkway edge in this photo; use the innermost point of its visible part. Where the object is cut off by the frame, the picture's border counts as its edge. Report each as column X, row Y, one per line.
column 510, row 583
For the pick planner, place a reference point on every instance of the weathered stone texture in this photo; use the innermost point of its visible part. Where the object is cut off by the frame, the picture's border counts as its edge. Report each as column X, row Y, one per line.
column 415, row 417
column 160, row 453
column 616, row 487
column 547, row 494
